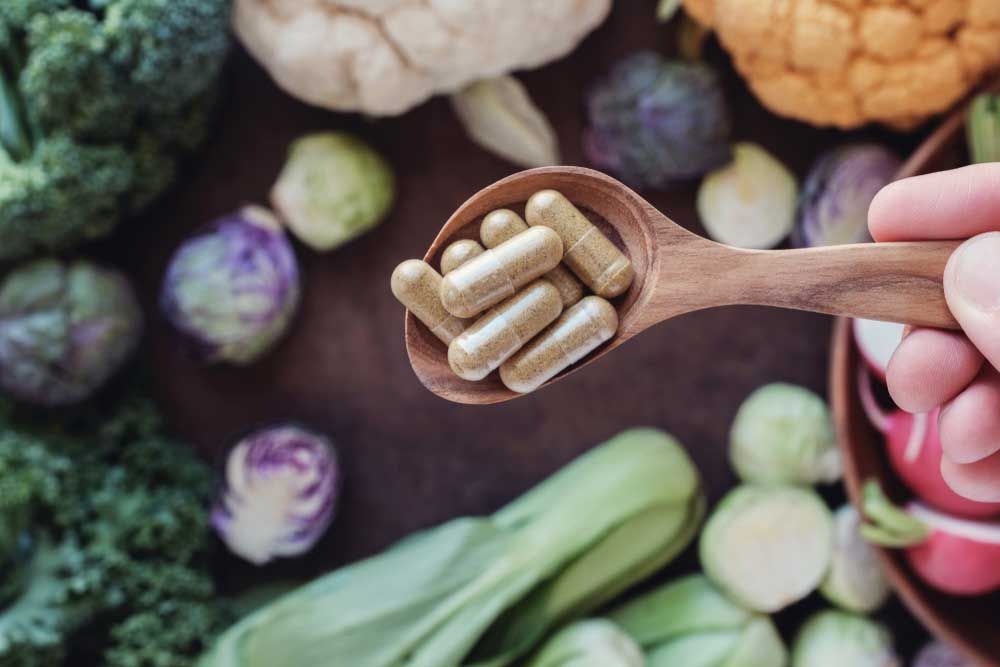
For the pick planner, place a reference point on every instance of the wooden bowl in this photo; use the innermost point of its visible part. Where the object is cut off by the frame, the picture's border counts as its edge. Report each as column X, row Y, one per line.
column 971, row 625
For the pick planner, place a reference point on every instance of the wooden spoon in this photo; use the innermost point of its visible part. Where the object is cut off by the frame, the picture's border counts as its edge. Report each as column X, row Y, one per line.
column 679, row 272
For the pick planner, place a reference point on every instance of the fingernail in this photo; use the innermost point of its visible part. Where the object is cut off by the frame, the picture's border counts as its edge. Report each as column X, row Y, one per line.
column 977, row 272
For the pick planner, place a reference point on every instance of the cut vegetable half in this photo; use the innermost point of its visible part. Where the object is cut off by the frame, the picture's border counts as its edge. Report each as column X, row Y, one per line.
column 913, row 445
column 877, row 342
column 749, row 203
column 768, row 547
column 837, row 639
column 499, row 115
column 953, row 555
column 855, row 581
column 984, row 532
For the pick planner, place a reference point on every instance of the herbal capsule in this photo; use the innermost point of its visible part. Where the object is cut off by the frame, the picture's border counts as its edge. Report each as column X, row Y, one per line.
column 504, row 224
column 458, row 253
column 498, row 273
column 572, row 337
column 504, row 330
column 418, row 287
column 593, row 258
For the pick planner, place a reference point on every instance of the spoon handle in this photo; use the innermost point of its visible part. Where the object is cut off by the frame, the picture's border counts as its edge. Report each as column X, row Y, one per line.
column 896, row 282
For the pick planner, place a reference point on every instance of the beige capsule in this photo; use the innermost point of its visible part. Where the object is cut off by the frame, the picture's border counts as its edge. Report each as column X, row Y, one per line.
column 458, row 253
column 498, row 273
column 591, row 255
column 504, row 224
column 579, row 331
column 504, row 330
column 417, row 286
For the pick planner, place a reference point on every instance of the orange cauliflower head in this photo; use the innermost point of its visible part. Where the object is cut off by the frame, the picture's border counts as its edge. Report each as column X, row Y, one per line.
column 849, row 62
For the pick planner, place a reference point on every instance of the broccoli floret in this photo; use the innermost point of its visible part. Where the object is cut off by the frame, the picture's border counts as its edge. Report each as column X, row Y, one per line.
column 17, row 13
column 57, row 595
column 145, row 35
column 124, row 86
column 69, row 81
column 181, row 629
column 29, row 475
column 116, row 547
column 65, row 192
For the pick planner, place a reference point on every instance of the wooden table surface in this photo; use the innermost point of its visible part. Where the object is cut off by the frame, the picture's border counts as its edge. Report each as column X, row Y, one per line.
column 411, row 460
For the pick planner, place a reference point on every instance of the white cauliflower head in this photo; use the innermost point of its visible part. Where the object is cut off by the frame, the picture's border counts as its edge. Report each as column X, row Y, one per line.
column 383, row 57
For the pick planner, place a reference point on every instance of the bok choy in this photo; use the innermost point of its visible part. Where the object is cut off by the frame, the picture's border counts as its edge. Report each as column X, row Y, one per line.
column 484, row 591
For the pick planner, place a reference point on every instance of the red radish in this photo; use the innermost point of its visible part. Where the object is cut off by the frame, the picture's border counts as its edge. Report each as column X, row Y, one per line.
column 956, row 556
column 960, row 557
column 877, row 342
column 914, row 449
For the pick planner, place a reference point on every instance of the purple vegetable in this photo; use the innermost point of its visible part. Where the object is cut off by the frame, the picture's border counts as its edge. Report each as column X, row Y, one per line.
column 65, row 328
column 833, row 209
column 654, row 122
column 280, row 493
column 233, row 288
column 937, row 654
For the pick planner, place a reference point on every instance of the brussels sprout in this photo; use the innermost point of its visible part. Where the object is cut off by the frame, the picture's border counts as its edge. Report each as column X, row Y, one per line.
column 855, row 581
column 655, row 123
column 768, row 546
column 837, row 192
column 589, row 643
column 689, row 622
column 783, row 434
column 65, row 328
column 332, row 189
column 281, row 488
column 233, row 288
column 838, row 639
column 749, row 203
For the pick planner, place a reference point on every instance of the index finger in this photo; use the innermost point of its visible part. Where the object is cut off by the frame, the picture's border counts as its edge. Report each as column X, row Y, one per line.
column 955, row 204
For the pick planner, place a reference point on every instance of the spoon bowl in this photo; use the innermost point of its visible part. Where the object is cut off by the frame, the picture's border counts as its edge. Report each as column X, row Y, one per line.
column 677, row 272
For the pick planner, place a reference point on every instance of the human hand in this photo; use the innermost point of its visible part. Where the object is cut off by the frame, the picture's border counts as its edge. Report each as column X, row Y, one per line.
column 958, row 371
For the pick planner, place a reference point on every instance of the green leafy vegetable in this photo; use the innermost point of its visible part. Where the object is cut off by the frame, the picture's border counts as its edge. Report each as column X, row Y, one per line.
column 98, row 102
column 484, row 591
column 111, row 546
column 690, row 622
column 982, row 126
column 590, row 643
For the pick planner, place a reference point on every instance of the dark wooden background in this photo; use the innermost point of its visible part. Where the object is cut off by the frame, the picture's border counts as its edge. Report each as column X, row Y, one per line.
column 410, row 459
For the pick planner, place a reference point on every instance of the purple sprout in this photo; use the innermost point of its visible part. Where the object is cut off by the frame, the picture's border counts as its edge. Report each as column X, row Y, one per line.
column 65, row 329
column 280, row 493
column 232, row 289
column 833, row 207
column 655, row 123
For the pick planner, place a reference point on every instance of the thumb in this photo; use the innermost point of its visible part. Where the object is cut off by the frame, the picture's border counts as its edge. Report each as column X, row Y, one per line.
column 972, row 287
